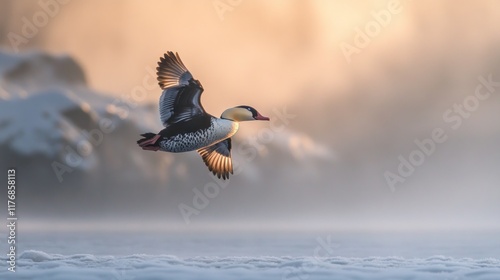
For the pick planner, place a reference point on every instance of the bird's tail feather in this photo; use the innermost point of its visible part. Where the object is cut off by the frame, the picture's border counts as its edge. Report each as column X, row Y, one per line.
column 146, row 136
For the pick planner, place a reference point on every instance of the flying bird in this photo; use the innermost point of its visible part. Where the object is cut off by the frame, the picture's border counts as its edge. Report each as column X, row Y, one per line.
column 188, row 127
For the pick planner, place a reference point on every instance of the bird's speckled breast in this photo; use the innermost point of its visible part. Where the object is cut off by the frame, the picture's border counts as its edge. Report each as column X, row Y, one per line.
column 218, row 130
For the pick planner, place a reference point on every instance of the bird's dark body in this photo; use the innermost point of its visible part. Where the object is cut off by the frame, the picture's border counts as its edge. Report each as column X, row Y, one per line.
column 195, row 133
column 192, row 125
column 188, row 127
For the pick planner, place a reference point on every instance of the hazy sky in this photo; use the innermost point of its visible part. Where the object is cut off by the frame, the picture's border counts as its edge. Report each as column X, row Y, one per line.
column 366, row 79
column 256, row 48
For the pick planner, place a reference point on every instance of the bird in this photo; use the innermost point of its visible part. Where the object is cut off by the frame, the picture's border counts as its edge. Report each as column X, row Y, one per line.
column 187, row 126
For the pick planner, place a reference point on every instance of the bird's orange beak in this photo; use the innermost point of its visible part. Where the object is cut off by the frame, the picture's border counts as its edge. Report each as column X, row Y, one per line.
column 260, row 117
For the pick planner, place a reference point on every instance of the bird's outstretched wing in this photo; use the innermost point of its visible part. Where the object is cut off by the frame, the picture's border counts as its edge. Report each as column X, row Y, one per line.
column 218, row 158
column 181, row 97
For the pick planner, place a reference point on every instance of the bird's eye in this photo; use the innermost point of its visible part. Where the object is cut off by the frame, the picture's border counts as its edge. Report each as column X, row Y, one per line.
column 249, row 109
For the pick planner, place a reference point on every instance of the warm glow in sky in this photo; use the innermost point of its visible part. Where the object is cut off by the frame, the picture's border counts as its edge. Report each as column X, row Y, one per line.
column 276, row 49
column 363, row 78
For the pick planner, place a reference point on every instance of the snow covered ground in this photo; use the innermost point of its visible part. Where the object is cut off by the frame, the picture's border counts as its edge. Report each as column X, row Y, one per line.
column 139, row 255
column 41, row 265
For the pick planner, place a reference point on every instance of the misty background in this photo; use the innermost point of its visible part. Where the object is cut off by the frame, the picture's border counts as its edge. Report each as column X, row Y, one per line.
column 324, row 168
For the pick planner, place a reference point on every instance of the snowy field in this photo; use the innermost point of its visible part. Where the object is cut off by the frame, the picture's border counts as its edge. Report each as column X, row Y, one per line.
column 41, row 265
column 127, row 256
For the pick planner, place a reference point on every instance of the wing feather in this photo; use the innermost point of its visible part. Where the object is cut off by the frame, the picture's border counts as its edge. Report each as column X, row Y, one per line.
column 172, row 72
column 218, row 158
column 181, row 97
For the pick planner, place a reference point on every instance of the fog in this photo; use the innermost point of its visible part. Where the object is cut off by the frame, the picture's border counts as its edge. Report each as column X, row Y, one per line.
column 363, row 83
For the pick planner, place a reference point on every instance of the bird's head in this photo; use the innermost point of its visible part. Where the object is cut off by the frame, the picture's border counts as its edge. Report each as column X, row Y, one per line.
column 243, row 113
